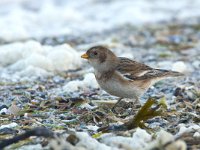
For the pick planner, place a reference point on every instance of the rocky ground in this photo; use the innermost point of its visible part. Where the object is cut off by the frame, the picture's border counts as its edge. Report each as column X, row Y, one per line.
column 70, row 102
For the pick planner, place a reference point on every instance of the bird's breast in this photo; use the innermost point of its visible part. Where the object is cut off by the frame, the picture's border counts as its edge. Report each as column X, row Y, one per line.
column 116, row 86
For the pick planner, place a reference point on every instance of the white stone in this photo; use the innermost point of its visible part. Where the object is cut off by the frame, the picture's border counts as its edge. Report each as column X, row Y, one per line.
column 11, row 125
column 88, row 82
column 196, row 134
column 4, row 110
column 179, row 66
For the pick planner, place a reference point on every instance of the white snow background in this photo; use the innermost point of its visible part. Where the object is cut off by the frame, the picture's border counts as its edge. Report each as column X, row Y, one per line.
column 36, row 19
column 23, row 19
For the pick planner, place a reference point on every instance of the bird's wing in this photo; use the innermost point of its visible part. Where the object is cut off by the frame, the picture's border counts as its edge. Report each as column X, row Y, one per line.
column 133, row 70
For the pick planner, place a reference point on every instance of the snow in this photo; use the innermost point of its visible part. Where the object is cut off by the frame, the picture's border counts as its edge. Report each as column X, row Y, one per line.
column 34, row 19
column 143, row 140
column 179, row 66
column 4, row 110
column 87, row 106
column 11, row 125
column 88, row 82
column 139, row 140
column 109, row 141
column 193, row 127
column 24, row 19
column 32, row 147
column 33, row 59
column 92, row 127
column 89, row 143
column 164, row 137
column 196, row 134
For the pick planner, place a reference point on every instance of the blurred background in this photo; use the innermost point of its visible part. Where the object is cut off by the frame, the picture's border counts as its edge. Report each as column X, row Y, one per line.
column 44, row 37
column 26, row 19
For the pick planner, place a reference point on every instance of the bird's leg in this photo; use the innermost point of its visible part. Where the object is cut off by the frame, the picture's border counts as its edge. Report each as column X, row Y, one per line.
column 136, row 102
column 119, row 100
column 134, row 106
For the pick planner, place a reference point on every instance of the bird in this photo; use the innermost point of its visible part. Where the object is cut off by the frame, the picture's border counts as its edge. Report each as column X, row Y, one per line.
column 121, row 76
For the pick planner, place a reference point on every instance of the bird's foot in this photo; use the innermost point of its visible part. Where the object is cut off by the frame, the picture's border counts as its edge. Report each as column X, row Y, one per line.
column 113, row 108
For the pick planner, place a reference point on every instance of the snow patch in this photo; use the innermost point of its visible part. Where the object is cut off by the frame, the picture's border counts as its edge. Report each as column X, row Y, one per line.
column 196, row 135
column 179, row 66
column 88, row 82
column 33, row 59
column 139, row 140
column 4, row 110
column 11, row 125
column 191, row 128
column 27, row 19
column 90, row 143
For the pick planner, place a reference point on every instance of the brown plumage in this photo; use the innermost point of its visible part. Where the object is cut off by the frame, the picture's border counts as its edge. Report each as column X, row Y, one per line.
column 121, row 76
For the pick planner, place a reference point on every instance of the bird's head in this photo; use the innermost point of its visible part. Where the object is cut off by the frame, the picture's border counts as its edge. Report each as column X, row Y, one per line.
column 101, row 58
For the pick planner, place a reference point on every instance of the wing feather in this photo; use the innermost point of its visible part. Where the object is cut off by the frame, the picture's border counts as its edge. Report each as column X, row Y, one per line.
column 133, row 70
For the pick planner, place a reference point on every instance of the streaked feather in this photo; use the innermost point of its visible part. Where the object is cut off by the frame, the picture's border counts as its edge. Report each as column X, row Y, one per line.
column 133, row 70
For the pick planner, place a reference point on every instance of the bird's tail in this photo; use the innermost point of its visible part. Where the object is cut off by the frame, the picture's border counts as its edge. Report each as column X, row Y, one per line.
column 169, row 73
column 163, row 74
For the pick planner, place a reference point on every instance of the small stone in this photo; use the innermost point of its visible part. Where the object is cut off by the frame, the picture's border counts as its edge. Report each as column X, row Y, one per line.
column 3, row 111
column 179, row 66
column 73, row 139
column 11, row 125
column 7, row 131
column 3, row 106
column 178, row 91
column 42, row 95
column 196, row 134
column 177, row 145
column 196, row 64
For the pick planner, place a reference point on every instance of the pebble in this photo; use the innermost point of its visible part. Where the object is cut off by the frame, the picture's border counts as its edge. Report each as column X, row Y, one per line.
column 3, row 106
column 7, row 131
column 196, row 64
column 11, row 125
column 175, row 39
column 179, row 66
column 196, row 134
column 4, row 111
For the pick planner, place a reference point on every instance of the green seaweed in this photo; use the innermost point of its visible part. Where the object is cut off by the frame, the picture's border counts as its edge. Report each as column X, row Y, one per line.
column 165, row 55
column 20, row 144
column 145, row 113
column 97, row 135
column 149, row 110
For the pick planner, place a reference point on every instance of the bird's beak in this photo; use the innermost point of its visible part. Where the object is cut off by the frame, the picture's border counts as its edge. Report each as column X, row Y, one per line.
column 85, row 56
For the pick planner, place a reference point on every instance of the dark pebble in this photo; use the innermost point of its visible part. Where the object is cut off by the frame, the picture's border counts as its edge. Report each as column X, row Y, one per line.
column 7, row 131
column 3, row 113
column 42, row 95
column 25, row 99
column 70, row 117
column 3, row 106
column 73, row 139
column 62, row 117
column 32, row 91
column 100, row 113
column 20, row 87
column 178, row 91
column 91, row 104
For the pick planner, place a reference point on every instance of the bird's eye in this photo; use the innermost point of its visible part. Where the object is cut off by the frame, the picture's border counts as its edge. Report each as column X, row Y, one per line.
column 95, row 53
